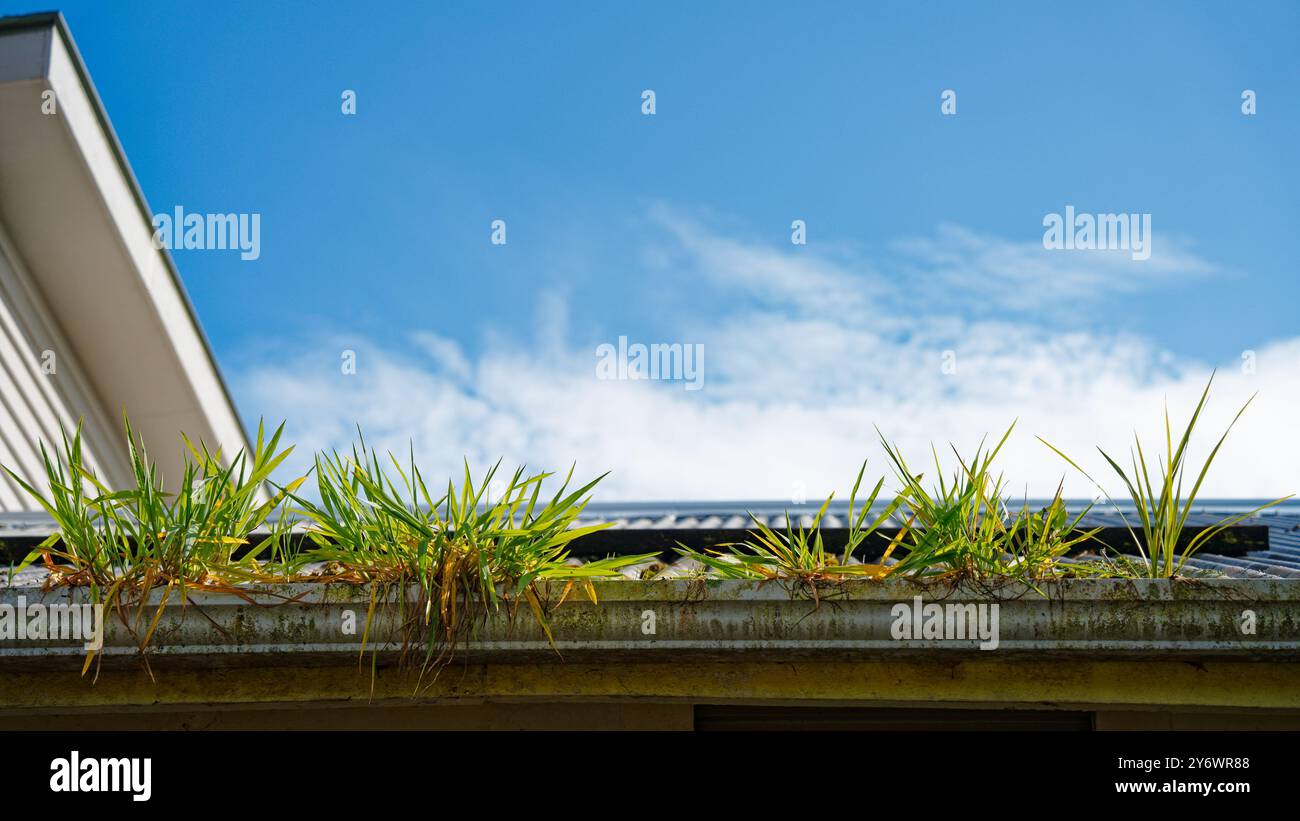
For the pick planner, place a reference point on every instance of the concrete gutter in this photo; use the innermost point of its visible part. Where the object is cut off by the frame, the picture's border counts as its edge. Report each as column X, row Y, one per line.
column 671, row 621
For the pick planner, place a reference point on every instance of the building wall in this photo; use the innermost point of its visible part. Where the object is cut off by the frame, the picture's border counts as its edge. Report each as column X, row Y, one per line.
column 42, row 391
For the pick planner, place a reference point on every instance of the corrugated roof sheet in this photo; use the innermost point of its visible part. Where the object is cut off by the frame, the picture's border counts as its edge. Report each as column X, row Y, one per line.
column 1280, row 560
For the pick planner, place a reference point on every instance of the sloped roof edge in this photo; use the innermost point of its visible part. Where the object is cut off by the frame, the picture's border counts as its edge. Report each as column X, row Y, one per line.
column 54, row 20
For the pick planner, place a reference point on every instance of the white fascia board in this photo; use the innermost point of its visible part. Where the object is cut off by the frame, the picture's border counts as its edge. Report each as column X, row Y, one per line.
column 118, row 299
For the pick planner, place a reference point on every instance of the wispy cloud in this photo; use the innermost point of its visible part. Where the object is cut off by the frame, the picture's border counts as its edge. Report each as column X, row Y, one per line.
column 1025, row 275
column 790, row 277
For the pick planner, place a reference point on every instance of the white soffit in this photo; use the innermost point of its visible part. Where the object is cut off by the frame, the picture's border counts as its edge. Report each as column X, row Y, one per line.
column 78, row 220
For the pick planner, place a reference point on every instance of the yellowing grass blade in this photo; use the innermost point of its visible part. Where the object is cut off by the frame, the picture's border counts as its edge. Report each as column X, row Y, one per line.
column 536, row 605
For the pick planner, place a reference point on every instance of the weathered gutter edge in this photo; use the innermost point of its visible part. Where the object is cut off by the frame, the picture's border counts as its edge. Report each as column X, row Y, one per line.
column 669, row 620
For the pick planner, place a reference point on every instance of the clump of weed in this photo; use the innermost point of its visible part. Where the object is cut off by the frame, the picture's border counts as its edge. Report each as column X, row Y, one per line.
column 122, row 544
column 1159, row 505
column 801, row 554
column 463, row 554
column 966, row 526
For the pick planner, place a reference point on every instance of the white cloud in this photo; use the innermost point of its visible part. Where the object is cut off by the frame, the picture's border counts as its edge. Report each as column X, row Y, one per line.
column 792, row 391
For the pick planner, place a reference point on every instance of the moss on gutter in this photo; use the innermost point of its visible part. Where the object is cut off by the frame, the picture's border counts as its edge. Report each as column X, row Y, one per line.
column 686, row 621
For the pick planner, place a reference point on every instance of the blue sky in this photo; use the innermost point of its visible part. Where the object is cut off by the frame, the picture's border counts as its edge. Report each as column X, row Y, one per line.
column 676, row 227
